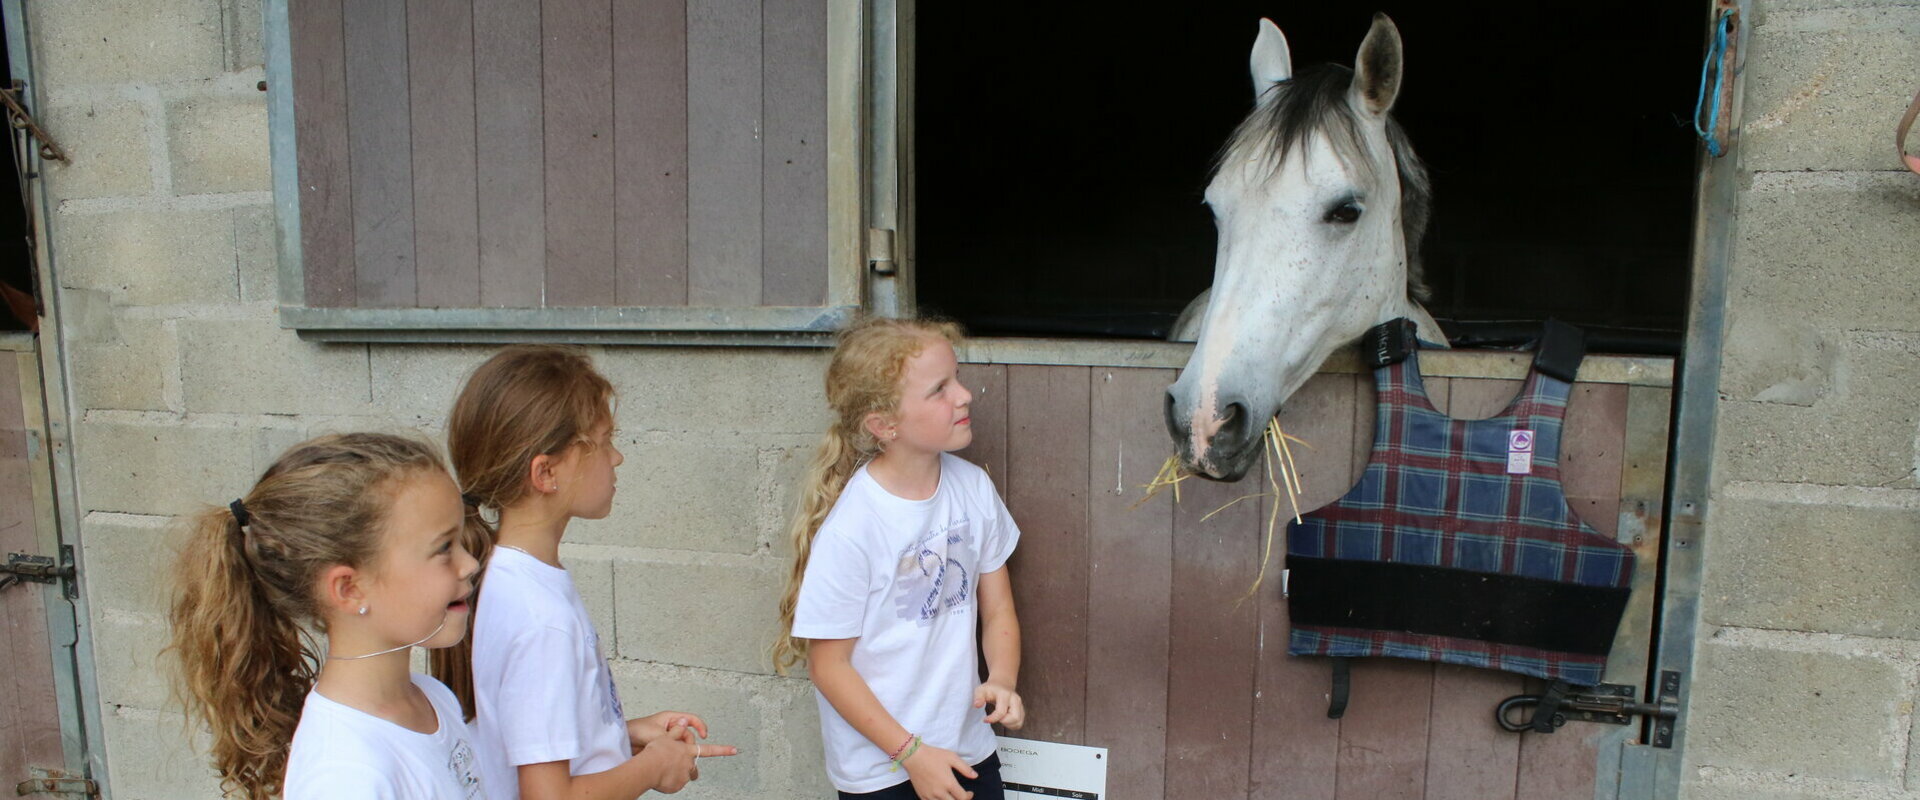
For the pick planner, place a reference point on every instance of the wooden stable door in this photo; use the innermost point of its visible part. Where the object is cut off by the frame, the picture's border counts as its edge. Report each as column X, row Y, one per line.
column 1140, row 635
column 30, row 744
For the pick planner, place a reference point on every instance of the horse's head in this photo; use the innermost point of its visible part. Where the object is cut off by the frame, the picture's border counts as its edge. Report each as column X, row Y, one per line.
column 1315, row 199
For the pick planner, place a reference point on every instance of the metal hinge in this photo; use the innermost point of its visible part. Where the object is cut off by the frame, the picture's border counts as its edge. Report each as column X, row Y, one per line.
column 1609, row 703
column 73, row 786
column 880, row 251
column 18, row 117
column 25, row 568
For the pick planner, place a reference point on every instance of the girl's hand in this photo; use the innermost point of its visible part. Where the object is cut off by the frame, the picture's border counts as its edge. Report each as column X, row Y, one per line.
column 1007, row 708
column 674, row 755
column 641, row 730
column 931, row 771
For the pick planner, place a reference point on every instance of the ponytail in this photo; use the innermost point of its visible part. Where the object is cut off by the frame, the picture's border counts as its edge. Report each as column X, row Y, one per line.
column 244, row 582
column 453, row 666
column 862, row 379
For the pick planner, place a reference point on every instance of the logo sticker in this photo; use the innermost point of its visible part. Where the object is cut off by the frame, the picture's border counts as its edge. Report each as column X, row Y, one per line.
column 1520, row 452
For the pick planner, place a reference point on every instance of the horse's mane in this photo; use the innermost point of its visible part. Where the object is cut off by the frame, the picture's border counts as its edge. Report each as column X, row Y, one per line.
column 1316, row 100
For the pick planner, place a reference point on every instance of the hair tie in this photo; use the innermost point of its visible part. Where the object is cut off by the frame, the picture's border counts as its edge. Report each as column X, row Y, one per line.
column 470, row 499
column 240, row 514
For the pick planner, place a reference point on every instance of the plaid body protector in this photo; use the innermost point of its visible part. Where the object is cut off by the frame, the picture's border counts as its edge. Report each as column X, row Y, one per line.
column 1458, row 545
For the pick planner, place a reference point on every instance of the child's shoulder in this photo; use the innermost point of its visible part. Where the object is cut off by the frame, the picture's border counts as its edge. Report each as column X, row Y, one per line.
column 529, row 597
column 966, row 475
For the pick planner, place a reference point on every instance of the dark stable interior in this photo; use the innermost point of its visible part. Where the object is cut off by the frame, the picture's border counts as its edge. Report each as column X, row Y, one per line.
column 16, row 265
column 1061, row 155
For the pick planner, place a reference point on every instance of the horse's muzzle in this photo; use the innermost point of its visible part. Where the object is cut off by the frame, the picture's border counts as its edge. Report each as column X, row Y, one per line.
column 1230, row 451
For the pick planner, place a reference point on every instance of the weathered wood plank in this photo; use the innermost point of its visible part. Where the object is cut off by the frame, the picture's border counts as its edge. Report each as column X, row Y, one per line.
column 446, row 214
column 1047, row 429
column 1593, row 443
column 1296, row 745
column 379, row 131
column 650, row 147
column 988, row 383
column 1215, row 631
column 1130, row 582
column 577, row 74
column 318, row 36
column 511, row 153
column 724, row 238
column 1468, row 756
column 1383, row 737
column 794, row 160
column 29, row 711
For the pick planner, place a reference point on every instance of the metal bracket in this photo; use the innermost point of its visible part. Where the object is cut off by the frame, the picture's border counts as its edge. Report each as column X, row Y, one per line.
column 25, row 568
column 1609, row 703
column 880, row 251
column 18, row 117
column 74, row 786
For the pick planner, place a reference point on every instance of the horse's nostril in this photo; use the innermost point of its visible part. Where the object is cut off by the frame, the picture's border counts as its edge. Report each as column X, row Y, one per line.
column 1174, row 427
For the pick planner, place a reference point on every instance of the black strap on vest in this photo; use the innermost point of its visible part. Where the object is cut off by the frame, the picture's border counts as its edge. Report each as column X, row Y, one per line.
column 1560, row 350
column 1342, row 686
column 1389, row 342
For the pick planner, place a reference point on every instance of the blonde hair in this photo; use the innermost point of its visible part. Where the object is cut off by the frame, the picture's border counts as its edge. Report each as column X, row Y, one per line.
column 525, row 401
column 240, row 593
column 862, row 379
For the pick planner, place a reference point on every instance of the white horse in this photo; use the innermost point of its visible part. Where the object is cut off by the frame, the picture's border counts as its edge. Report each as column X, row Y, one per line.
column 1319, row 203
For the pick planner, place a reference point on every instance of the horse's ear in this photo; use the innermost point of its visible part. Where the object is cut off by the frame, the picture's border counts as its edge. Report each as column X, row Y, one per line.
column 1271, row 62
column 1377, row 70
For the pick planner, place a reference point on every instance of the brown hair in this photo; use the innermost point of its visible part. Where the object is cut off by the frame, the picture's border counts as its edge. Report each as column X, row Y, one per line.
column 525, row 401
column 240, row 593
column 863, row 378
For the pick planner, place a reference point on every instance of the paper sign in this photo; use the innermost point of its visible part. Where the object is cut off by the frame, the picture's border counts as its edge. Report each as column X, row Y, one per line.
column 1043, row 770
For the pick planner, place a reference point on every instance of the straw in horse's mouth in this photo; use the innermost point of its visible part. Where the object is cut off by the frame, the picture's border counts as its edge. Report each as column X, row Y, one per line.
column 1282, row 474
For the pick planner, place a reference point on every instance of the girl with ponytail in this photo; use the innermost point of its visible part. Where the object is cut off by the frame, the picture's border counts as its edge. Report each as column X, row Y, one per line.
column 354, row 537
column 900, row 547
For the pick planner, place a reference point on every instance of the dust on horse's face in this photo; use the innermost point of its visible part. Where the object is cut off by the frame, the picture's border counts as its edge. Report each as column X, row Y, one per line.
column 1309, row 255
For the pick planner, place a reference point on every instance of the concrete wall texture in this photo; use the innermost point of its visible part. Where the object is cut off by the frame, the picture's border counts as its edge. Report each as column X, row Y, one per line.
column 184, row 385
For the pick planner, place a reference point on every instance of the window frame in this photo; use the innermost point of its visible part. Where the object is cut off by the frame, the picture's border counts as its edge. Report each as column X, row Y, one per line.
column 846, row 207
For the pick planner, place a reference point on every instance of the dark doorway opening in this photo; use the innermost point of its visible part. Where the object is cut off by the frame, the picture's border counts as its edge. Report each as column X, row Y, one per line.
column 1060, row 157
column 17, row 308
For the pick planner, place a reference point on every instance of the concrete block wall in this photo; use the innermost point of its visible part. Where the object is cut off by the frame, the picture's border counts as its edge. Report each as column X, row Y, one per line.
column 186, row 387
column 1809, row 643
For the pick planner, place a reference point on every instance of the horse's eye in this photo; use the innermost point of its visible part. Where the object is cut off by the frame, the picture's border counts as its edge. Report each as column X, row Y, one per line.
column 1344, row 214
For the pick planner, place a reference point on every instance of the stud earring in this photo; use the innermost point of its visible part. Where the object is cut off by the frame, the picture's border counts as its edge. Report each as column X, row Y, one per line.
column 363, row 611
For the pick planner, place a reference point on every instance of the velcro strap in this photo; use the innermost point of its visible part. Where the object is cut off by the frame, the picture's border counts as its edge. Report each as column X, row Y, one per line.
column 1562, row 347
column 1389, row 343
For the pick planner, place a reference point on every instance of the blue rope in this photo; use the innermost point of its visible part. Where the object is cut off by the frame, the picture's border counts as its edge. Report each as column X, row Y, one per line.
column 1714, row 56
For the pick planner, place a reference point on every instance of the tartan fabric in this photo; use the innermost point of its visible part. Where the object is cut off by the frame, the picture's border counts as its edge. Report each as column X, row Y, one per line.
column 1436, row 493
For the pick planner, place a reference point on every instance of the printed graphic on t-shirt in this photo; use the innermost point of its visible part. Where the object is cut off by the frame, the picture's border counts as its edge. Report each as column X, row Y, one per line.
column 933, row 574
column 461, row 763
column 610, row 708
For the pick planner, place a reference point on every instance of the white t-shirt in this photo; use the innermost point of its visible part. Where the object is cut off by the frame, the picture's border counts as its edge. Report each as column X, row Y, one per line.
column 541, row 687
column 903, row 576
column 340, row 751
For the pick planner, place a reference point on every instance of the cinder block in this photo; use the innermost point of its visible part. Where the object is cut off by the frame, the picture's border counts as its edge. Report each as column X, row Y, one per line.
column 1828, row 248
column 695, row 390
column 1804, row 567
column 805, row 766
column 254, row 366
column 126, row 366
column 127, row 657
column 130, row 555
column 729, row 711
column 115, row 41
column 1776, row 360
column 1862, row 435
column 157, row 756
column 1825, row 87
column 257, row 252
column 782, row 471
column 1818, row 715
column 680, row 495
column 1746, row 790
column 107, row 147
column 154, row 468
column 218, row 143
column 148, row 257
column 423, row 380
column 719, row 614
column 243, row 33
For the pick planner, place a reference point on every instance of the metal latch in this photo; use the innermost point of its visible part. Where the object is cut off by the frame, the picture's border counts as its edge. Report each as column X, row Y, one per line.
column 76, row 786
column 25, row 568
column 18, row 117
column 880, row 250
column 1609, row 703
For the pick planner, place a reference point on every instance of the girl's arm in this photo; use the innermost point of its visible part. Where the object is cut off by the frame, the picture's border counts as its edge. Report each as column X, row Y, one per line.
column 666, row 764
column 830, row 663
column 1000, row 640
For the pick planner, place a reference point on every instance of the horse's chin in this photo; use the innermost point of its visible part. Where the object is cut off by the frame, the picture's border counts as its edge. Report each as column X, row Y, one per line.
column 1232, row 470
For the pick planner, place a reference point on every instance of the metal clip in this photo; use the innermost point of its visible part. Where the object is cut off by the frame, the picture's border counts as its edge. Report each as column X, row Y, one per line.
column 18, row 117
column 1609, row 703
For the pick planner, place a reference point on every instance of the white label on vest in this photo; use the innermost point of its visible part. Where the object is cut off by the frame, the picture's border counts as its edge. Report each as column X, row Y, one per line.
column 1520, row 452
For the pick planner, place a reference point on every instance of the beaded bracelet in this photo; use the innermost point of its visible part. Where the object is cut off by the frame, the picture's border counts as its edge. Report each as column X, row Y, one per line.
column 911, row 749
column 895, row 755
